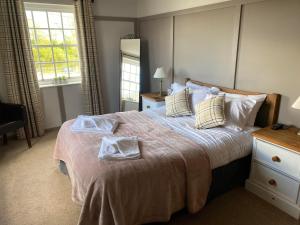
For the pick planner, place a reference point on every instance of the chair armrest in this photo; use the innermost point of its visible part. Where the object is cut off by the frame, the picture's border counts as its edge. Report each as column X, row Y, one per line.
column 13, row 112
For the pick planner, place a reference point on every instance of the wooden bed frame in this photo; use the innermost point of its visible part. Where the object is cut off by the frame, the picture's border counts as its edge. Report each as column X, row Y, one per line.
column 268, row 113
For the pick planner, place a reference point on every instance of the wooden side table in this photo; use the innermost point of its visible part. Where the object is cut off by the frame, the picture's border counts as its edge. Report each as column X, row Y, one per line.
column 152, row 100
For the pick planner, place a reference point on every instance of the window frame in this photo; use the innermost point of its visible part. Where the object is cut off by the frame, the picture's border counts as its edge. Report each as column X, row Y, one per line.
column 60, row 8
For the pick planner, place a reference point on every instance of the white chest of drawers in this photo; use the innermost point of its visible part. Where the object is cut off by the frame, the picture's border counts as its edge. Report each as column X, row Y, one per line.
column 275, row 169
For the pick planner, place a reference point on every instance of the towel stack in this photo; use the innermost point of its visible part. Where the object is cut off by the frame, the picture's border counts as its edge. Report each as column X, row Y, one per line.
column 112, row 148
column 119, row 148
column 96, row 124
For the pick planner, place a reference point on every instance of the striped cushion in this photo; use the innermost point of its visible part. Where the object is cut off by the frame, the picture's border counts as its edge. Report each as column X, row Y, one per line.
column 178, row 104
column 210, row 113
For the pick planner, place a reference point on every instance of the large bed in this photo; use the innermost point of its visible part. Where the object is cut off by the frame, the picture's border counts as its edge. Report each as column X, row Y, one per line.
column 181, row 167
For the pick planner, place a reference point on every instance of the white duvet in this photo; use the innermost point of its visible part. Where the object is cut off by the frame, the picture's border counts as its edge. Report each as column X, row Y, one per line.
column 223, row 145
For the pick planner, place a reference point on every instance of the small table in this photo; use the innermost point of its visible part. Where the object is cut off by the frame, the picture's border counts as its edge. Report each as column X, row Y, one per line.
column 152, row 100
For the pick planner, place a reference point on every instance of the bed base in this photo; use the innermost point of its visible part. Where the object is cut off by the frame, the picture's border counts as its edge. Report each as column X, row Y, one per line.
column 227, row 177
column 224, row 178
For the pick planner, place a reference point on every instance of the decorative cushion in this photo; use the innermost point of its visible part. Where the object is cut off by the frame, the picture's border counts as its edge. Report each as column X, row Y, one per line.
column 210, row 113
column 178, row 104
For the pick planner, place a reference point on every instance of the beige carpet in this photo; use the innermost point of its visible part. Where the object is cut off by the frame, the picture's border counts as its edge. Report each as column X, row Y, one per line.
column 34, row 192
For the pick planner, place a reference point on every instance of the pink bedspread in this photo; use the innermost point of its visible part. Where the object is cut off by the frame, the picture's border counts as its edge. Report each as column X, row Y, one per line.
column 173, row 173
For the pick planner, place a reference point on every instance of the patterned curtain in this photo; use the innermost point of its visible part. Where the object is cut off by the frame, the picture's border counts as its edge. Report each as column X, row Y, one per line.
column 88, row 58
column 17, row 59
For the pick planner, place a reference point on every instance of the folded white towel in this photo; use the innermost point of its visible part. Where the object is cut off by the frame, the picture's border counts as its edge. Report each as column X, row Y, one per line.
column 100, row 124
column 119, row 148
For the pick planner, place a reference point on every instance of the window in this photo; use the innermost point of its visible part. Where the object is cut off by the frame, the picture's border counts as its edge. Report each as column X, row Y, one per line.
column 52, row 30
column 130, row 79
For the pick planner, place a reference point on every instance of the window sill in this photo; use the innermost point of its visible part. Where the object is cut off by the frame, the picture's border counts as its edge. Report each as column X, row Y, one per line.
column 49, row 85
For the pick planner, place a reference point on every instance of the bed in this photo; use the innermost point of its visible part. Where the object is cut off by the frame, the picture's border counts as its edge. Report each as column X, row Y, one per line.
column 180, row 167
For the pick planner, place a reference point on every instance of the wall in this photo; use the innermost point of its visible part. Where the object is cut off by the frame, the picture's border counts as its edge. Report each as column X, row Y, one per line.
column 269, row 56
column 249, row 45
column 108, row 35
column 115, row 8
column 153, row 7
column 199, row 48
column 157, row 36
column 61, row 104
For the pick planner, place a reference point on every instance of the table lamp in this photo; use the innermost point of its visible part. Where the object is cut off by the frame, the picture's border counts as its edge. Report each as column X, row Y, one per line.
column 296, row 105
column 160, row 74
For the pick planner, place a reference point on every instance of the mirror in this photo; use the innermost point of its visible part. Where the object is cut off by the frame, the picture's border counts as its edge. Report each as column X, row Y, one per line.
column 130, row 75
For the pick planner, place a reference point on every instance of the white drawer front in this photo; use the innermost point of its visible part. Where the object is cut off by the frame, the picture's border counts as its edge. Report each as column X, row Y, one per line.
column 274, row 199
column 278, row 158
column 147, row 104
column 275, row 181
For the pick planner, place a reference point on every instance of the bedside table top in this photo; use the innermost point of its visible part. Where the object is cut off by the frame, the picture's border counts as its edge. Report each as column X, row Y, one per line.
column 286, row 138
column 154, row 96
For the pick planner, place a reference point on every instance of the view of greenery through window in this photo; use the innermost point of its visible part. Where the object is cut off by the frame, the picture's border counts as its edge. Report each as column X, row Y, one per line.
column 54, row 43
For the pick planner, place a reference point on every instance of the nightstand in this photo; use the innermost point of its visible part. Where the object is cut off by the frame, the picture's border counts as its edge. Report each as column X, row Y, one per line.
column 275, row 168
column 152, row 100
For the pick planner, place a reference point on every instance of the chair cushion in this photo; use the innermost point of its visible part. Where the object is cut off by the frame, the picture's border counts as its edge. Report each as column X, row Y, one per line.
column 6, row 127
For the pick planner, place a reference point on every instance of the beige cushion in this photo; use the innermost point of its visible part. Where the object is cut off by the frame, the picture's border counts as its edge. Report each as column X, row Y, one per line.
column 178, row 104
column 210, row 113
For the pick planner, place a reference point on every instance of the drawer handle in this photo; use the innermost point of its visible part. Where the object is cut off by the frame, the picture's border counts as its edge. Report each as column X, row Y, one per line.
column 276, row 159
column 273, row 182
column 148, row 107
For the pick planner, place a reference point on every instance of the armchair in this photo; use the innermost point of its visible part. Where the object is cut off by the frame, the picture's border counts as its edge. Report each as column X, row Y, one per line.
column 13, row 117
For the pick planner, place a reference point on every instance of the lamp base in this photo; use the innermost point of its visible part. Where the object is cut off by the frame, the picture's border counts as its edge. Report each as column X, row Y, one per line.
column 160, row 92
column 298, row 133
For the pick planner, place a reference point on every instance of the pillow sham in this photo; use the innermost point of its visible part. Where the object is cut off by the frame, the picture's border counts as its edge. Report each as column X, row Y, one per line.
column 176, row 87
column 178, row 104
column 210, row 113
column 259, row 99
column 199, row 93
column 193, row 86
column 197, row 97
column 237, row 113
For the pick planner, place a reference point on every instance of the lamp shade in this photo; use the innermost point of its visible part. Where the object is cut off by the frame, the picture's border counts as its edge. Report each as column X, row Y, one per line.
column 160, row 73
column 296, row 105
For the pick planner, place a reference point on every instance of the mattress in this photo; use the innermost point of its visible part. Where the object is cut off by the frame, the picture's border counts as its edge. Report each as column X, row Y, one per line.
column 222, row 145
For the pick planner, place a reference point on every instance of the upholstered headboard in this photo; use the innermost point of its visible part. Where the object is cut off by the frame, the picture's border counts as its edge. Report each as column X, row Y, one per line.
column 268, row 113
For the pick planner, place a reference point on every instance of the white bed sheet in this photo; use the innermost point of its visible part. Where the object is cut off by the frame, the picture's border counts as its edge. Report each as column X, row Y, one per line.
column 221, row 144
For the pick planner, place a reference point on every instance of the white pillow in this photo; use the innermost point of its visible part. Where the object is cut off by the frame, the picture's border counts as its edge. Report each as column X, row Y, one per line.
column 194, row 86
column 259, row 101
column 199, row 93
column 237, row 113
column 197, row 97
column 191, row 85
column 176, row 87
